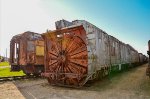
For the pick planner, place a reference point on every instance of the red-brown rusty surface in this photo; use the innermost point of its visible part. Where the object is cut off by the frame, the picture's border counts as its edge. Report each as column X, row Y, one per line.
column 66, row 56
column 26, row 52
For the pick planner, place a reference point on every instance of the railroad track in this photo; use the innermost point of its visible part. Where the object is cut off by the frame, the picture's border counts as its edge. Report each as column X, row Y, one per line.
column 12, row 78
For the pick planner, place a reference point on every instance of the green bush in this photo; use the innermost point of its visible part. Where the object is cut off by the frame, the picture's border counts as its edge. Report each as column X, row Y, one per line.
column 4, row 63
column 5, row 72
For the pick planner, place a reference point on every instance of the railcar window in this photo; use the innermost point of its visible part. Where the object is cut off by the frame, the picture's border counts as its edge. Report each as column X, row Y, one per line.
column 30, row 46
column 37, row 36
column 39, row 50
column 16, row 52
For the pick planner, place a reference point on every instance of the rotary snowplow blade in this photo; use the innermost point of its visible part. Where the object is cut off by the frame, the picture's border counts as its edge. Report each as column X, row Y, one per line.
column 66, row 56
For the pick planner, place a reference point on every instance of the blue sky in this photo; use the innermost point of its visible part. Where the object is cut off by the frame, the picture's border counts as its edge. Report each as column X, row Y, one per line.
column 127, row 20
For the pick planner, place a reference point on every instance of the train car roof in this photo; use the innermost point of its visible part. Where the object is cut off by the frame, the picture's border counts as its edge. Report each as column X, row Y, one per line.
column 66, row 29
column 25, row 34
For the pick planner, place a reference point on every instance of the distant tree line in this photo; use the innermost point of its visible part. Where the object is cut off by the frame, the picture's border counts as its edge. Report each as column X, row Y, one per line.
column 2, row 59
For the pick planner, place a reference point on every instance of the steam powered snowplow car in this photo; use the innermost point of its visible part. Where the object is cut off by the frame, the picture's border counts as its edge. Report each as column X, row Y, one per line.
column 78, row 51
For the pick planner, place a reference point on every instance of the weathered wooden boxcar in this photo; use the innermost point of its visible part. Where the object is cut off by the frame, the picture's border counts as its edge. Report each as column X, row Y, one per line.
column 148, row 68
column 79, row 51
column 27, row 53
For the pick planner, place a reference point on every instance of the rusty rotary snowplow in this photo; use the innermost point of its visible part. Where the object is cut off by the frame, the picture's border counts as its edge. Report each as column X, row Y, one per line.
column 66, row 56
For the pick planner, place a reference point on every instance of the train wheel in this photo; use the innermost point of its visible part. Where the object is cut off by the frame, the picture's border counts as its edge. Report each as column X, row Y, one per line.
column 28, row 74
column 24, row 71
column 49, row 80
column 36, row 74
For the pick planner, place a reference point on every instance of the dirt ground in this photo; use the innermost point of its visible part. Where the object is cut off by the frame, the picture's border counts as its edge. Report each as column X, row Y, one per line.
column 8, row 90
column 133, row 84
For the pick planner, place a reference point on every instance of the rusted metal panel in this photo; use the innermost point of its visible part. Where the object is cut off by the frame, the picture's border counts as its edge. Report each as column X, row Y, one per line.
column 115, row 50
column 124, row 53
column 62, row 23
column 66, row 56
column 133, row 54
column 30, row 52
column 26, row 49
column 97, row 45
column 22, row 59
